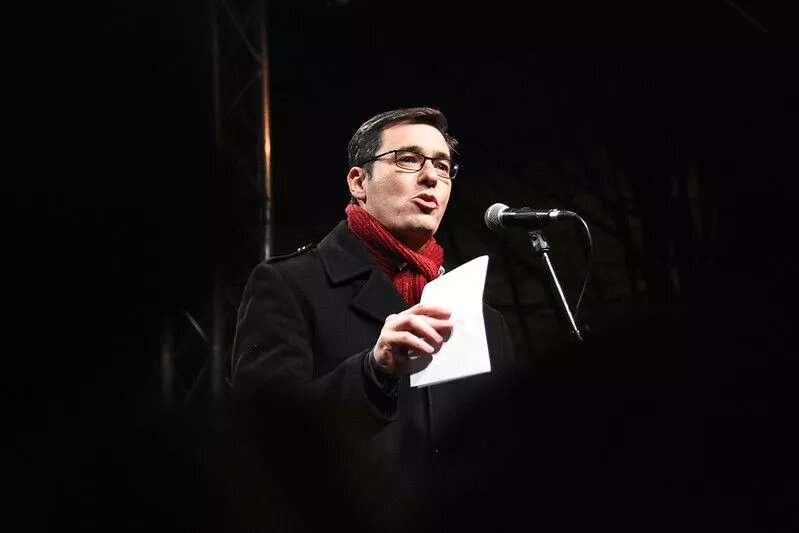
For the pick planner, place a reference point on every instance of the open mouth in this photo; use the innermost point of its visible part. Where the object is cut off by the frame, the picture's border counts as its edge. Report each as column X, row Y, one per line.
column 427, row 202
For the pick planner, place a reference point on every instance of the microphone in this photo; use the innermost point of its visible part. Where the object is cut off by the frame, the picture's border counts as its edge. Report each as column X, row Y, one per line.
column 500, row 216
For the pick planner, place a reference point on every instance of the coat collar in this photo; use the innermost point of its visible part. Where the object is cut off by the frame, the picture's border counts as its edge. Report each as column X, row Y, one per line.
column 344, row 259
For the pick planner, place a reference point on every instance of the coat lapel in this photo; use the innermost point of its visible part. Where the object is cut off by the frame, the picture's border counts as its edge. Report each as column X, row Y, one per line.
column 378, row 298
column 345, row 259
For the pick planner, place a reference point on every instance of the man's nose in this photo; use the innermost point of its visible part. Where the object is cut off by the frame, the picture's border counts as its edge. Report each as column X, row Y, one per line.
column 428, row 174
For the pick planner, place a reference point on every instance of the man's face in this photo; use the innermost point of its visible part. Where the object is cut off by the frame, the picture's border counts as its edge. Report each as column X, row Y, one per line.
column 409, row 203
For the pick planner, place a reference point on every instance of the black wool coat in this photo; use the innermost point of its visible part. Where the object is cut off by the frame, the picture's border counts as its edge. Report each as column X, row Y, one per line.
column 308, row 322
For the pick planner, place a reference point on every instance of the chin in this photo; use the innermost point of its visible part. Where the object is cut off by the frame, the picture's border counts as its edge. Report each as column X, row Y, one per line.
column 424, row 224
column 419, row 234
column 416, row 228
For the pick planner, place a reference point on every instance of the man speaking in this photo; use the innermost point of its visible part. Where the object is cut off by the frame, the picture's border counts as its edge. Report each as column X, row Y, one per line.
column 335, row 323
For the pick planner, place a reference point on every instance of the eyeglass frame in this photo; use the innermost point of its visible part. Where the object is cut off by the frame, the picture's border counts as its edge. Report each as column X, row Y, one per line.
column 453, row 169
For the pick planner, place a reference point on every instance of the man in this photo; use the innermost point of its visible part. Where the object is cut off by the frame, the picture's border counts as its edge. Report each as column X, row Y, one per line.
column 336, row 322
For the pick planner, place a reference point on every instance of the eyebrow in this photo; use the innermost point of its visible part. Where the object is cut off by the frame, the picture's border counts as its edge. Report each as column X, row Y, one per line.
column 416, row 148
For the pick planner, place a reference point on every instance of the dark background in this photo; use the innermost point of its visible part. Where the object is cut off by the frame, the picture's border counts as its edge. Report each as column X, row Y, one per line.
column 667, row 125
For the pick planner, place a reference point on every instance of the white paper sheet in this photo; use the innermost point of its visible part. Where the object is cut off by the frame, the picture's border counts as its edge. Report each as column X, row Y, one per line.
column 466, row 351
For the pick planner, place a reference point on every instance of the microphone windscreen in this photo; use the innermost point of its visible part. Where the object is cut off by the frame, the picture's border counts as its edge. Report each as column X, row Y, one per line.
column 491, row 217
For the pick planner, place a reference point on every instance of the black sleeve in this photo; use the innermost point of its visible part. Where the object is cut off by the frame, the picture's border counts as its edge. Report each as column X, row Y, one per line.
column 272, row 351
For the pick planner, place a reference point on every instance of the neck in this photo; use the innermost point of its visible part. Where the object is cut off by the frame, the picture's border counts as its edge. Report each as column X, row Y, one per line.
column 415, row 242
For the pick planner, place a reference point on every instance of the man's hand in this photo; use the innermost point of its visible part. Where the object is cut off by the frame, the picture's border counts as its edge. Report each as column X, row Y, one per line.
column 422, row 328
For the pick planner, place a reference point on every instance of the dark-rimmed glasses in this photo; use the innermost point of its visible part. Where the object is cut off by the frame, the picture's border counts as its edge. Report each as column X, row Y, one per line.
column 412, row 160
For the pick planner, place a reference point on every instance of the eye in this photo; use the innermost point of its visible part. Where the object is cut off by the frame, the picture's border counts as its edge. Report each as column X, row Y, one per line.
column 408, row 157
column 443, row 165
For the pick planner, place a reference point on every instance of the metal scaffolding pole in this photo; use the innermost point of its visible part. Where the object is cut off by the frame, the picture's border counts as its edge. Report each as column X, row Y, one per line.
column 242, row 173
column 243, row 143
column 267, row 133
column 241, row 99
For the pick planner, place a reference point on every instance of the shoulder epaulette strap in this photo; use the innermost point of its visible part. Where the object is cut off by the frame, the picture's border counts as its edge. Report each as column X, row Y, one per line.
column 301, row 250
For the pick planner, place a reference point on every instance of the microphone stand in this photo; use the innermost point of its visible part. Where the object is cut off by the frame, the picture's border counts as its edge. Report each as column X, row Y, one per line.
column 542, row 248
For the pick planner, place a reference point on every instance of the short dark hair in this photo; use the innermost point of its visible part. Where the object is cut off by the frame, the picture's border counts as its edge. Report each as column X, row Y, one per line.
column 366, row 141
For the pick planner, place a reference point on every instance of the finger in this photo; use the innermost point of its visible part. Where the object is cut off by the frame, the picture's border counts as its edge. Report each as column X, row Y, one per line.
column 434, row 311
column 443, row 327
column 419, row 326
column 439, row 324
column 435, row 322
column 408, row 340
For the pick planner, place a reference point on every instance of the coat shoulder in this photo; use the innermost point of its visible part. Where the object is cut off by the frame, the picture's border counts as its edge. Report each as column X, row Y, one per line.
column 299, row 259
column 304, row 249
column 299, row 268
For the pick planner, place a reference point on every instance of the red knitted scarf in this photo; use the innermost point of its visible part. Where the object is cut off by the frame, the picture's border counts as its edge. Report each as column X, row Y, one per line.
column 388, row 251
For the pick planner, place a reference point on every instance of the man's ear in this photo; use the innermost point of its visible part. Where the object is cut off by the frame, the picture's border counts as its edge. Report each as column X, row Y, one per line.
column 356, row 179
